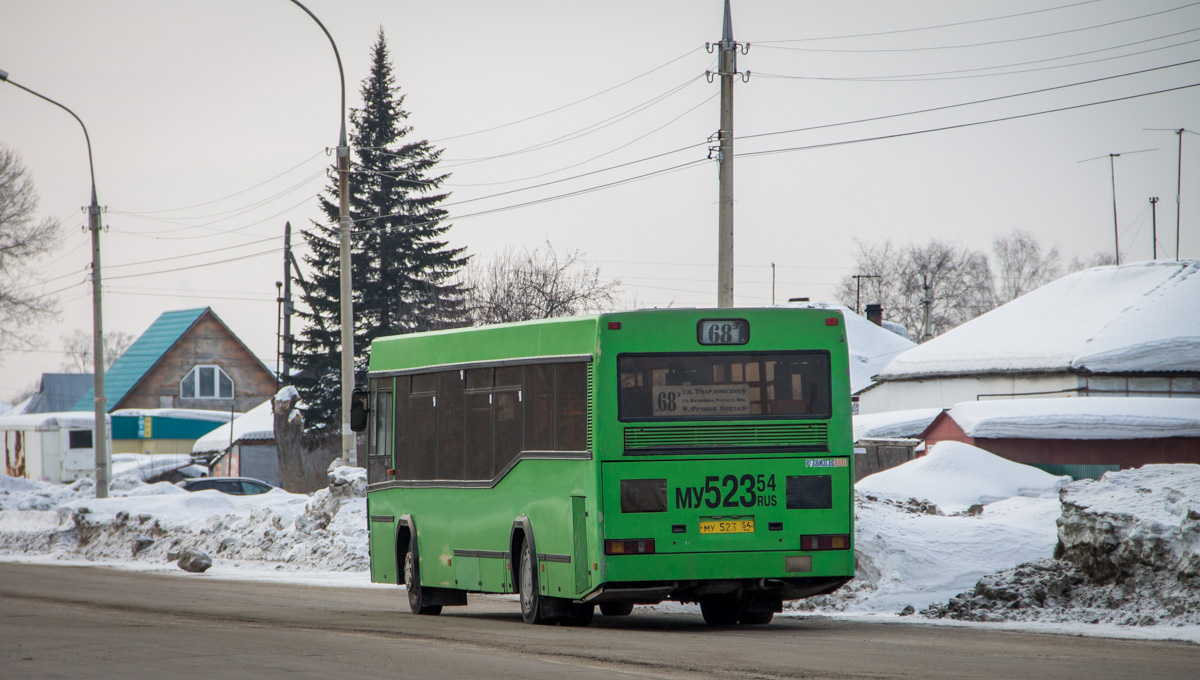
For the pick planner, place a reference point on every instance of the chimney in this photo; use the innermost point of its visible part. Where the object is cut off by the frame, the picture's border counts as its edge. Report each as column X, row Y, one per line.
column 875, row 313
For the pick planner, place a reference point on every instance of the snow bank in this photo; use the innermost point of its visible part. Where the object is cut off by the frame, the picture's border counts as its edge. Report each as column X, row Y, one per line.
column 146, row 522
column 1128, row 553
column 954, row 476
column 142, row 466
column 1108, row 418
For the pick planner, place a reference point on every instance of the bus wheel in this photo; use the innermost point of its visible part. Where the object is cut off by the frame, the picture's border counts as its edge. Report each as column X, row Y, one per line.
column 418, row 600
column 719, row 611
column 531, row 599
column 616, row 608
column 755, row 618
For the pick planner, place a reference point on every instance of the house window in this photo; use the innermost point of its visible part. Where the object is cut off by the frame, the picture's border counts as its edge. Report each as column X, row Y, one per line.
column 206, row 382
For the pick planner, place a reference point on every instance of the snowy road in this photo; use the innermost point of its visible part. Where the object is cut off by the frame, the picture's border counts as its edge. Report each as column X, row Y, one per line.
column 83, row 622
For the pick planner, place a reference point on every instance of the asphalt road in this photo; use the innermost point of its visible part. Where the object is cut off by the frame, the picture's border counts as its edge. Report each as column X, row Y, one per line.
column 83, row 622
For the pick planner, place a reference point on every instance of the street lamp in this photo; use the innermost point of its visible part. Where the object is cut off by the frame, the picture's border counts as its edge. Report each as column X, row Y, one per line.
column 100, row 427
column 349, row 451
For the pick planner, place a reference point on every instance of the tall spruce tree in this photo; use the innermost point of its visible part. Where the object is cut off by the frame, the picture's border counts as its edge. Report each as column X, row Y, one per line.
column 405, row 275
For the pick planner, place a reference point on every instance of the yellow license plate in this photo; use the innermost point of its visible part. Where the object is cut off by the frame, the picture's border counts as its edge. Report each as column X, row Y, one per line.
column 727, row 526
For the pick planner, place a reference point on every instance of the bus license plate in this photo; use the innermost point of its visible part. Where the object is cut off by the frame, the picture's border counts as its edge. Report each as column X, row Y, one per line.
column 735, row 526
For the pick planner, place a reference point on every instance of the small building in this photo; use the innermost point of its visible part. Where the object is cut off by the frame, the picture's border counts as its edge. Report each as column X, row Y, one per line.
column 187, row 359
column 162, row 431
column 885, row 440
column 1116, row 331
column 1082, row 438
column 50, row 447
column 58, row 392
column 243, row 447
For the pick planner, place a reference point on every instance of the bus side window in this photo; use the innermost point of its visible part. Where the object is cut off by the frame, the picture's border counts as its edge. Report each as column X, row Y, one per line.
column 539, row 407
column 570, row 407
column 380, row 458
column 400, row 447
column 450, row 455
column 422, row 428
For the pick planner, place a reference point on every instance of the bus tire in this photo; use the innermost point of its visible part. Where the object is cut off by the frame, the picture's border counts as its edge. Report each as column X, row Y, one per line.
column 616, row 608
column 531, row 599
column 719, row 611
column 755, row 618
column 418, row 599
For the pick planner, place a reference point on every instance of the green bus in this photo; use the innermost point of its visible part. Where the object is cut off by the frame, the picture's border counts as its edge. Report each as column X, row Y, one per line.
column 614, row 460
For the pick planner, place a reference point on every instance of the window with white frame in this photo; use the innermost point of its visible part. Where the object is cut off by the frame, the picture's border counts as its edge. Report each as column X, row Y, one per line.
column 206, row 382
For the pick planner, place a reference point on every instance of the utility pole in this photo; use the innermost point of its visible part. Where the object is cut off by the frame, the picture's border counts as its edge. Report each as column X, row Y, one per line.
column 1154, row 227
column 100, row 411
column 926, row 303
column 288, row 307
column 1113, row 172
column 858, row 289
column 727, row 69
column 772, row 284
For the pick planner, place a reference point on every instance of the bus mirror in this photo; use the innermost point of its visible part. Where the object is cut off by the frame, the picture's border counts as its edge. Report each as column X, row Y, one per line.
column 359, row 410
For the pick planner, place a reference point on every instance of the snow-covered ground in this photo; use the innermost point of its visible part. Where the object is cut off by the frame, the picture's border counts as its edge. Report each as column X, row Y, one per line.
column 957, row 537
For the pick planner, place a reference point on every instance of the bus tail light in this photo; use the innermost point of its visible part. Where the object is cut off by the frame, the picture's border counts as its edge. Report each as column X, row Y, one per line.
column 825, row 542
column 637, row 546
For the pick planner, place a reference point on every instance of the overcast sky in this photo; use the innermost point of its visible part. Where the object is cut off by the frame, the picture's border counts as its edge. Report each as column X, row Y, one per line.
column 210, row 123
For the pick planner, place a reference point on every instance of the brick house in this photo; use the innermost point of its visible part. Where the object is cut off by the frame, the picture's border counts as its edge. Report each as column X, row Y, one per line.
column 186, row 359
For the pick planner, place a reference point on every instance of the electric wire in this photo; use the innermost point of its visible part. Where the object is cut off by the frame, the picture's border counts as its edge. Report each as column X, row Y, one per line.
column 927, row 28
column 979, row 44
column 920, row 77
column 195, row 266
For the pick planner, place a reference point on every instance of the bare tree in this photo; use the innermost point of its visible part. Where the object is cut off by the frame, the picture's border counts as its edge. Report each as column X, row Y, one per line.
column 537, row 284
column 22, row 239
column 1021, row 266
column 78, row 349
column 956, row 281
column 1098, row 259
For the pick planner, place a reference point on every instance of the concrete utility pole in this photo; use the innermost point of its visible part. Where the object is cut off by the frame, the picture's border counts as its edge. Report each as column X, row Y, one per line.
column 727, row 69
column 927, row 303
column 349, row 448
column 100, row 413
column 288, row 307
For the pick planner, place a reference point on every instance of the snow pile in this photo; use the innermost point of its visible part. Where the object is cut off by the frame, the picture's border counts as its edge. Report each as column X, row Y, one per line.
column 143, row 467
column 147, row 522
column 1128, row 553
column 1132, row 317
column 1111, row 418
column 955, row 476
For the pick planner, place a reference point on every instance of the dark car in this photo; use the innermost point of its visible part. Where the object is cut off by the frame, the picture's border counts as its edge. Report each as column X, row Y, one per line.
column 236, row 486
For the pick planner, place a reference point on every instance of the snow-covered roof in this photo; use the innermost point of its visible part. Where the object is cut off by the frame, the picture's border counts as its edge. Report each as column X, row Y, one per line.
column 1079, row 418
column 257, row 424
column 1139, row 317
column 871, row 347
column 909, row 423
column 49, row 421
column 177, row 413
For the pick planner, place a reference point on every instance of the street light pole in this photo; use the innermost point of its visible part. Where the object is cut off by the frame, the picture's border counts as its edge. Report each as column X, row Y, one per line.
column 349, row 449
column 100, row 426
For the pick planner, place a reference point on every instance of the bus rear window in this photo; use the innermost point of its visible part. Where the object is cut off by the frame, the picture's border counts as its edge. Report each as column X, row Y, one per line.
column 723, row 386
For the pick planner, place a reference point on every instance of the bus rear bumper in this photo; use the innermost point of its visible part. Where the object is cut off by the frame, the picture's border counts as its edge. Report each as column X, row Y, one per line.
column 751, row 590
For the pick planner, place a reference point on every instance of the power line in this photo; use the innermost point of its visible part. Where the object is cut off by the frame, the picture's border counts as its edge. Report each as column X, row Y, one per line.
column 919, row 77
column 981, row 44
column 927, row 28
column 236, row 193
column 964, row 125
column 970, row 103
column 195, row 266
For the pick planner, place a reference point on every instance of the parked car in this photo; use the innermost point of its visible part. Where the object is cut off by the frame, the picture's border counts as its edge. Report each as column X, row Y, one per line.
column 236, row 486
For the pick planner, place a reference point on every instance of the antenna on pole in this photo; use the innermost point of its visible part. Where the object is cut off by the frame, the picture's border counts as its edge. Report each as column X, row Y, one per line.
column 1178, row 177
column 1113, row 171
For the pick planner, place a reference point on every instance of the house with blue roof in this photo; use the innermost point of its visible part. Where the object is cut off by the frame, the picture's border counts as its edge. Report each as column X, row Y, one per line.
column 186, row 359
